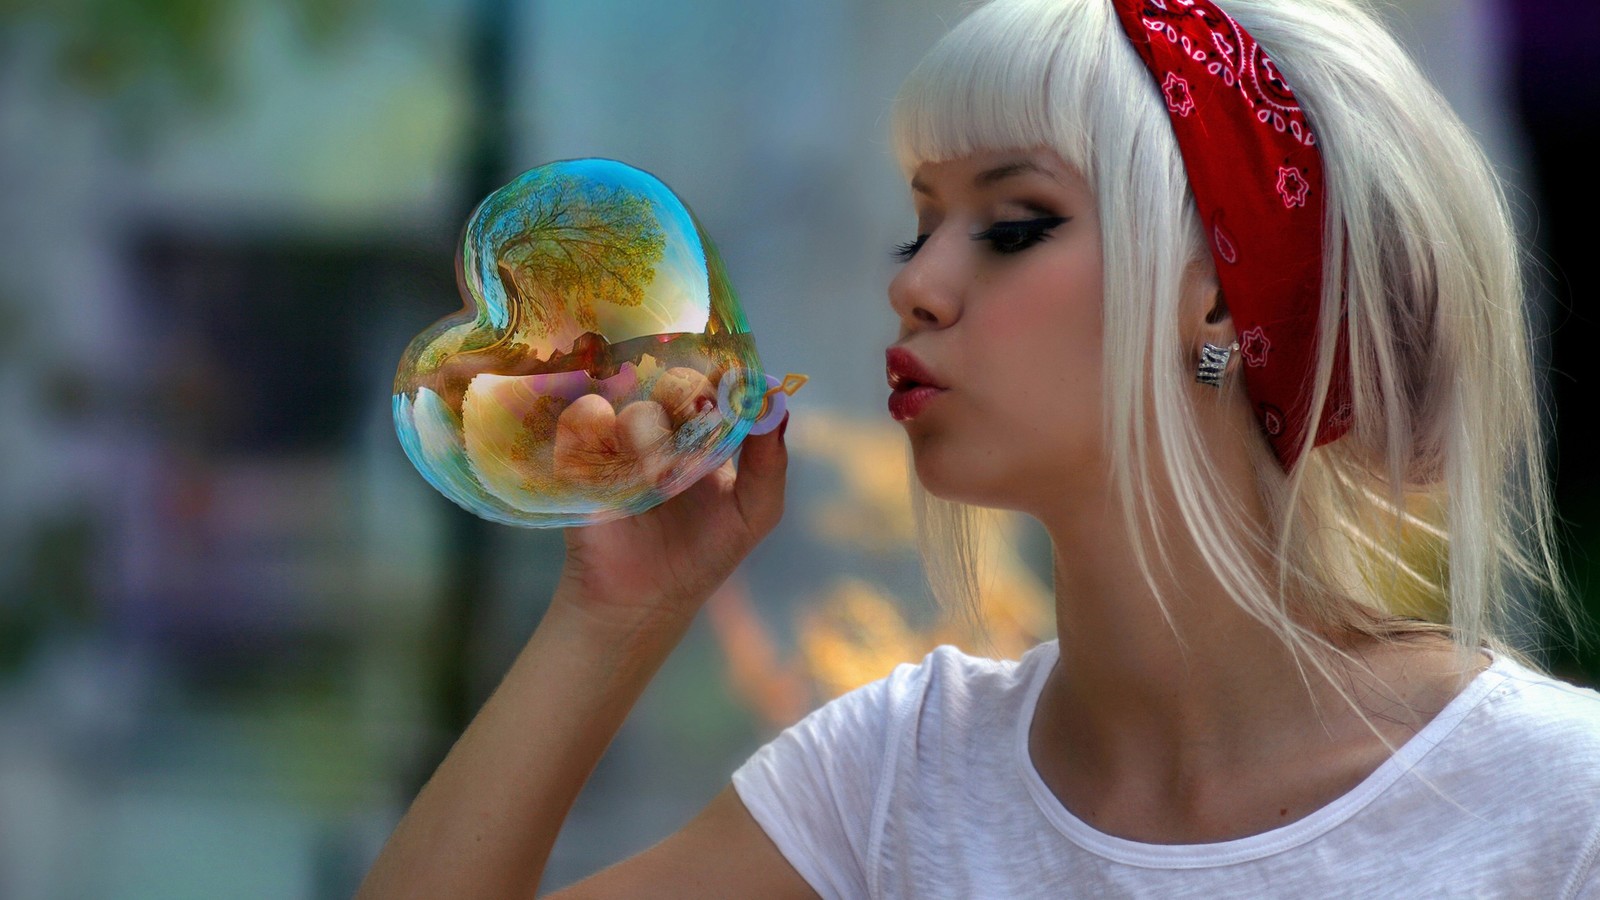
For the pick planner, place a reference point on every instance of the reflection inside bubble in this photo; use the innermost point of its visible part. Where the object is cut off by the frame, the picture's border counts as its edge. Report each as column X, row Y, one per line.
column 601, row 363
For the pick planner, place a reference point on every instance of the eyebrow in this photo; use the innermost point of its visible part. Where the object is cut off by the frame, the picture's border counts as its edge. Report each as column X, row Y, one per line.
column 989, row 177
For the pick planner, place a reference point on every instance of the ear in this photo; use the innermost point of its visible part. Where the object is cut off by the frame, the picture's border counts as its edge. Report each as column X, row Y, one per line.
column 1205, row 309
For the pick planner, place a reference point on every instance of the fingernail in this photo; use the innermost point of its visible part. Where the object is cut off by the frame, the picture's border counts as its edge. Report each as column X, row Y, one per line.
column 783, row 426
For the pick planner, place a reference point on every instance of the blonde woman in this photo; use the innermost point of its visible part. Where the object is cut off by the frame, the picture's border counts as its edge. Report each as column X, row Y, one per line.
column 1226, row 298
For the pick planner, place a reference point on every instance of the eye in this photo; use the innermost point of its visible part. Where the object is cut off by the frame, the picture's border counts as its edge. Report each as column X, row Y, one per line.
column 909, row 249
column 1013, row 237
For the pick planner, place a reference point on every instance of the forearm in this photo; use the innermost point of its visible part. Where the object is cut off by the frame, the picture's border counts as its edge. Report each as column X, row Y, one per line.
column 484, row 824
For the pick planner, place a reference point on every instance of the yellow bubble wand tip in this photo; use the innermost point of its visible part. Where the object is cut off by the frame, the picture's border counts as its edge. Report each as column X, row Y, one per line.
column 791, row 382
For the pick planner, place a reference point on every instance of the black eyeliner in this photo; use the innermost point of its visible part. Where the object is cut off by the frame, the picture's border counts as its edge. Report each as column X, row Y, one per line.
column 1015, row 236
column 1007, row 237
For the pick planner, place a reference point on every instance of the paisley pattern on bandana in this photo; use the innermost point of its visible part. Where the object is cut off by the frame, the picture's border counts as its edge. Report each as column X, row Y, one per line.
column 1292, row 186
column 1234, row 57
column 1179, row 100
column 1254, row 347
column 1221, row 241
column 1271, row 419
column 1251, row 157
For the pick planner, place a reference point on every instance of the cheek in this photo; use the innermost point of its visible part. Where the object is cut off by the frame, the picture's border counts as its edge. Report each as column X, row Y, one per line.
column 1052, row 358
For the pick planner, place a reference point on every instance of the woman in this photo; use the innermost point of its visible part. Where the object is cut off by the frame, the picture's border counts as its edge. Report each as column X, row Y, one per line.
column 1238, row 327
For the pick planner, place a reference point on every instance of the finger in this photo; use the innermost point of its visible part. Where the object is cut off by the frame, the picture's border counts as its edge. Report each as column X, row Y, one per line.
column 646, row 430
column 587, row 449
column 763, row 468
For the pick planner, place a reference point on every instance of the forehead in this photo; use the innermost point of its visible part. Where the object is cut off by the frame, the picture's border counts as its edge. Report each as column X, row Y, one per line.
column 986, row 169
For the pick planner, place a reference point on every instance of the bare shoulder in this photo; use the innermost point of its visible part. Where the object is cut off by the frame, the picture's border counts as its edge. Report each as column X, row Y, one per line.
column 721, row 852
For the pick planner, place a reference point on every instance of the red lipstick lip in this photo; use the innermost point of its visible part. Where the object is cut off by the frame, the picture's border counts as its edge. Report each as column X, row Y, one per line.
column 907, row 403
column 905, row 371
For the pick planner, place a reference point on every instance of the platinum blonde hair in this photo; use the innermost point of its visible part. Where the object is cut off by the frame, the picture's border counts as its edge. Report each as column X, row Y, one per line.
column 1446, row 453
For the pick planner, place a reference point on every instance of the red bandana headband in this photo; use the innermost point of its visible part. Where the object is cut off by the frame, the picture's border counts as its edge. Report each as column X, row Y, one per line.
column 1257, row 181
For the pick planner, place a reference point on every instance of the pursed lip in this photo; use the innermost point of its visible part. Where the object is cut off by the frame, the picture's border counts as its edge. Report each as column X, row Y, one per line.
column 905, row 371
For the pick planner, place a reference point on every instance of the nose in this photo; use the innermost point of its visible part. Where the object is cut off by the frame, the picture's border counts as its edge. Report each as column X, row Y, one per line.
column 924, row 293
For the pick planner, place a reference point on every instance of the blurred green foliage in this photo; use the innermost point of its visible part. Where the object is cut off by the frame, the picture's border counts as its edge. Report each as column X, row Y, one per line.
column 55, row 593
column 116, row 48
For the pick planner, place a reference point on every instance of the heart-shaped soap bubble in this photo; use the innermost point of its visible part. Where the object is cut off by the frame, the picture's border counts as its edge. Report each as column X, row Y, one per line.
column 601, row 363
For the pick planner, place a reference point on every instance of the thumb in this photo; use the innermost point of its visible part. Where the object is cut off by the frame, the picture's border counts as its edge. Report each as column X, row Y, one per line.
column 763, row 470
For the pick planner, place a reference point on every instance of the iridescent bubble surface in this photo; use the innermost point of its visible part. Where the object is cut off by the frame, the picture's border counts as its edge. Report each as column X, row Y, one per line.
column 601, row 363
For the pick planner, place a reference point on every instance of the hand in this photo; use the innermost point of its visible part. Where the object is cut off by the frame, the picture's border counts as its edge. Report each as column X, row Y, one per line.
column 657, row 569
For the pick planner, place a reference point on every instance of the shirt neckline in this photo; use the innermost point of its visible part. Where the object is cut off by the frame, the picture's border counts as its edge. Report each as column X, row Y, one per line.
column 1256, row 846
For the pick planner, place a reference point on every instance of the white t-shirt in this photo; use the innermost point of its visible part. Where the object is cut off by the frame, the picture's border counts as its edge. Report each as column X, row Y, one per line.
column 920, row 785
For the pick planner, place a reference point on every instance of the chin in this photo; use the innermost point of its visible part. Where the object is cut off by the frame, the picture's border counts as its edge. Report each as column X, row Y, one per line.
column 961, row 481
column 992, row 480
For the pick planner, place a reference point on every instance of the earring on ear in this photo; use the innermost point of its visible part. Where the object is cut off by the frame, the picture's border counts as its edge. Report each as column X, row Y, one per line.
column 1213, row 360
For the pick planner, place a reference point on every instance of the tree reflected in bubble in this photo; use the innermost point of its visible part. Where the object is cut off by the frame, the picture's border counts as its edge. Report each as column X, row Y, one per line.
column 601, row 363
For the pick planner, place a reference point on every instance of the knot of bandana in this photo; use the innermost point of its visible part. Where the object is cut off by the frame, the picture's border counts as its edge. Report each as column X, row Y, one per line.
column 1257, row 179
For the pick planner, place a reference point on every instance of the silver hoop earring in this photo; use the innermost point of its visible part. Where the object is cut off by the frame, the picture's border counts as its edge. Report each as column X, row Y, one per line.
column 1213, row 360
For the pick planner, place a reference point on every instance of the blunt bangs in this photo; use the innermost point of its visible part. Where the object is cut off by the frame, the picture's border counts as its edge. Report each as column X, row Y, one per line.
column 1008, row 76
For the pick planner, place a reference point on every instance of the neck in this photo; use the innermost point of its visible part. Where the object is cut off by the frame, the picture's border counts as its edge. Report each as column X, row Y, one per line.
column 1170, row 700
column 1127, row 680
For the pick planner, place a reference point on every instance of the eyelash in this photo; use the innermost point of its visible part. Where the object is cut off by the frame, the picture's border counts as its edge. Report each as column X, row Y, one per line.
column 1006, row 237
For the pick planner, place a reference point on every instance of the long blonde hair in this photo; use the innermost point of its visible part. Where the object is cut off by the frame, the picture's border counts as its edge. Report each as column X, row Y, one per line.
column 1433, row 514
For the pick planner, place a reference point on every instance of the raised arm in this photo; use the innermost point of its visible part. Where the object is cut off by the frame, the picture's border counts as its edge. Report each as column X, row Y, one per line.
column 722, row 852
column 484, row 824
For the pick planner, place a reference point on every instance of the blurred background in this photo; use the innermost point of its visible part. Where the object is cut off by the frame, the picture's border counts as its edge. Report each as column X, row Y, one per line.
column 238, row 630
